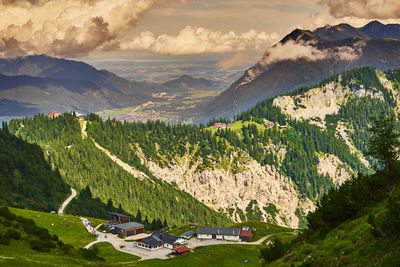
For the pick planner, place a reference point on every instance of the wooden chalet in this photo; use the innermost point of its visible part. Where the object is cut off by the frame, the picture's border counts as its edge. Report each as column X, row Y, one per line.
column 129, row 229
column 119, row 218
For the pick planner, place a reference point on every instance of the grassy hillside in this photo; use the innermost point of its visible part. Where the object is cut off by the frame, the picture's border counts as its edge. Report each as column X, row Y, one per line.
column 24, row 243
column 221, row 255
column 68, row 228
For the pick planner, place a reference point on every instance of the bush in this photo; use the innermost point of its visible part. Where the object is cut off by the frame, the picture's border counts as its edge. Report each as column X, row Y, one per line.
column 273, row 252
column 91, row 254
column 13, row 234
column 41, row 245
column 4, row 240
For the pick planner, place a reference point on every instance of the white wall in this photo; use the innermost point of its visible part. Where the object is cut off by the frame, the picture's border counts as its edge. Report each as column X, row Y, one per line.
column 220, row 237
column 204, row 236
column 140, row 245
column 232, row 238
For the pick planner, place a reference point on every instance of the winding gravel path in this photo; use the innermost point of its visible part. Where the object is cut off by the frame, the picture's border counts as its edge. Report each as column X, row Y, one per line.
column 66, row 202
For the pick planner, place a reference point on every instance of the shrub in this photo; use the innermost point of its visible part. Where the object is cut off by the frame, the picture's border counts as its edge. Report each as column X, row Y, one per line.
column 13, row 234
column 41, row 245
column 273, row 252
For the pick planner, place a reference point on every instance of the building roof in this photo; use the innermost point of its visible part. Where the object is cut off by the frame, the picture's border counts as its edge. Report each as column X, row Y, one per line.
column 117, row 214
column 152, row 241
column 218, row 231
column 129, row 225
column 182, row 249
column 166, row 238
column 246, row 233
column 55, row 112
column 188, row 234
column 166, row 228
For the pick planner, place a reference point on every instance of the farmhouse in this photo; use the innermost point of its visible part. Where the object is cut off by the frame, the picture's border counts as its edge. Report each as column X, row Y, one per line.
column 54, row 114
column 222, row 125
column 268, row 124
column 129, row 229
column 187, row 234
column 150, row 243
column 231, row 234
column 158, row 240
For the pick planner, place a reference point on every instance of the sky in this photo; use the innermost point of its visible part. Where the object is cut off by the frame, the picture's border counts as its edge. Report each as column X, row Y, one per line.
column 240, row 29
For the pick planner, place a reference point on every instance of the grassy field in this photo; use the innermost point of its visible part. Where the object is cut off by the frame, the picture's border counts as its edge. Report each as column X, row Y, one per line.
column 19, row 254
column 261, row 229
column 238, row 125
column 68, row 228
column 221, row 255
column 114, row 257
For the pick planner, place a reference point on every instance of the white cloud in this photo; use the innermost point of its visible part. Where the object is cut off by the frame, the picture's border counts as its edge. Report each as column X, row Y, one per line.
column 369, row 9
column 292, row 50
column 67, row 28
column 193, row 40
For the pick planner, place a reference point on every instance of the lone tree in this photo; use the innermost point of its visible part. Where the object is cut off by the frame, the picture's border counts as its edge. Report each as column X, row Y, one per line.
column 384, row 142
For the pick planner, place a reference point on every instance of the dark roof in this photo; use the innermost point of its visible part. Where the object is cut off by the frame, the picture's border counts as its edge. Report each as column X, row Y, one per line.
column 218, row 231
column 166, row 238
column 188, row 234
column 182, row 249
column 129, row 225
column 247, row 233
column 166, row 228
column 117, row 214
column 152, row 241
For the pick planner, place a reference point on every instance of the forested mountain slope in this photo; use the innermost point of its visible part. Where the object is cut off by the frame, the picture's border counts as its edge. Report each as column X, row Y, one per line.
column 81, row 164
column 260, row 172
column 27, row 179
column 273, row 162
column 358, row 223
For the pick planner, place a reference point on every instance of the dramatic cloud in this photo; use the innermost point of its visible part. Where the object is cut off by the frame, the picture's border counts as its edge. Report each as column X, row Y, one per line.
column 197, row 40
column 369, row 9
column 70, row 28
column 292, row 50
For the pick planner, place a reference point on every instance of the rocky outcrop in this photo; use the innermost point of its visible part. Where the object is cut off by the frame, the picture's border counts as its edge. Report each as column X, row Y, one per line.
column 332, row 166
column 225, row 190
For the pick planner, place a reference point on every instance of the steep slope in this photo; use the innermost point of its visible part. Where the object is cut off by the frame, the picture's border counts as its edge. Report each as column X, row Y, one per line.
column 81, row 164
column 26, row 179
column 355, row 225
column 266, row 172
column 304, row 58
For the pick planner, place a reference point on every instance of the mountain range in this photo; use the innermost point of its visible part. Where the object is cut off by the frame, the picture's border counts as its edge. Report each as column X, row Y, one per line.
column 40, row 83
column 321, row 53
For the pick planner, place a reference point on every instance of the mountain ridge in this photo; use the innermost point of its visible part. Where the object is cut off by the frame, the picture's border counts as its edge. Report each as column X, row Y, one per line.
column 325, row 55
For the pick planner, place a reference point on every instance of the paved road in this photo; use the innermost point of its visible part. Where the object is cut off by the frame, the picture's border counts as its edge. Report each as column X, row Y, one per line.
column 67, row 201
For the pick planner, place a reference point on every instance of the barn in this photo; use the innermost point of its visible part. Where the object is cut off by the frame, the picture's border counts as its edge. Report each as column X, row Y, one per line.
column 230, row 234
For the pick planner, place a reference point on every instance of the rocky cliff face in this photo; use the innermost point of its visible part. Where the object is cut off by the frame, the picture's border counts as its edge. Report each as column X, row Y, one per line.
column 251, row 190
column 332, row 166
